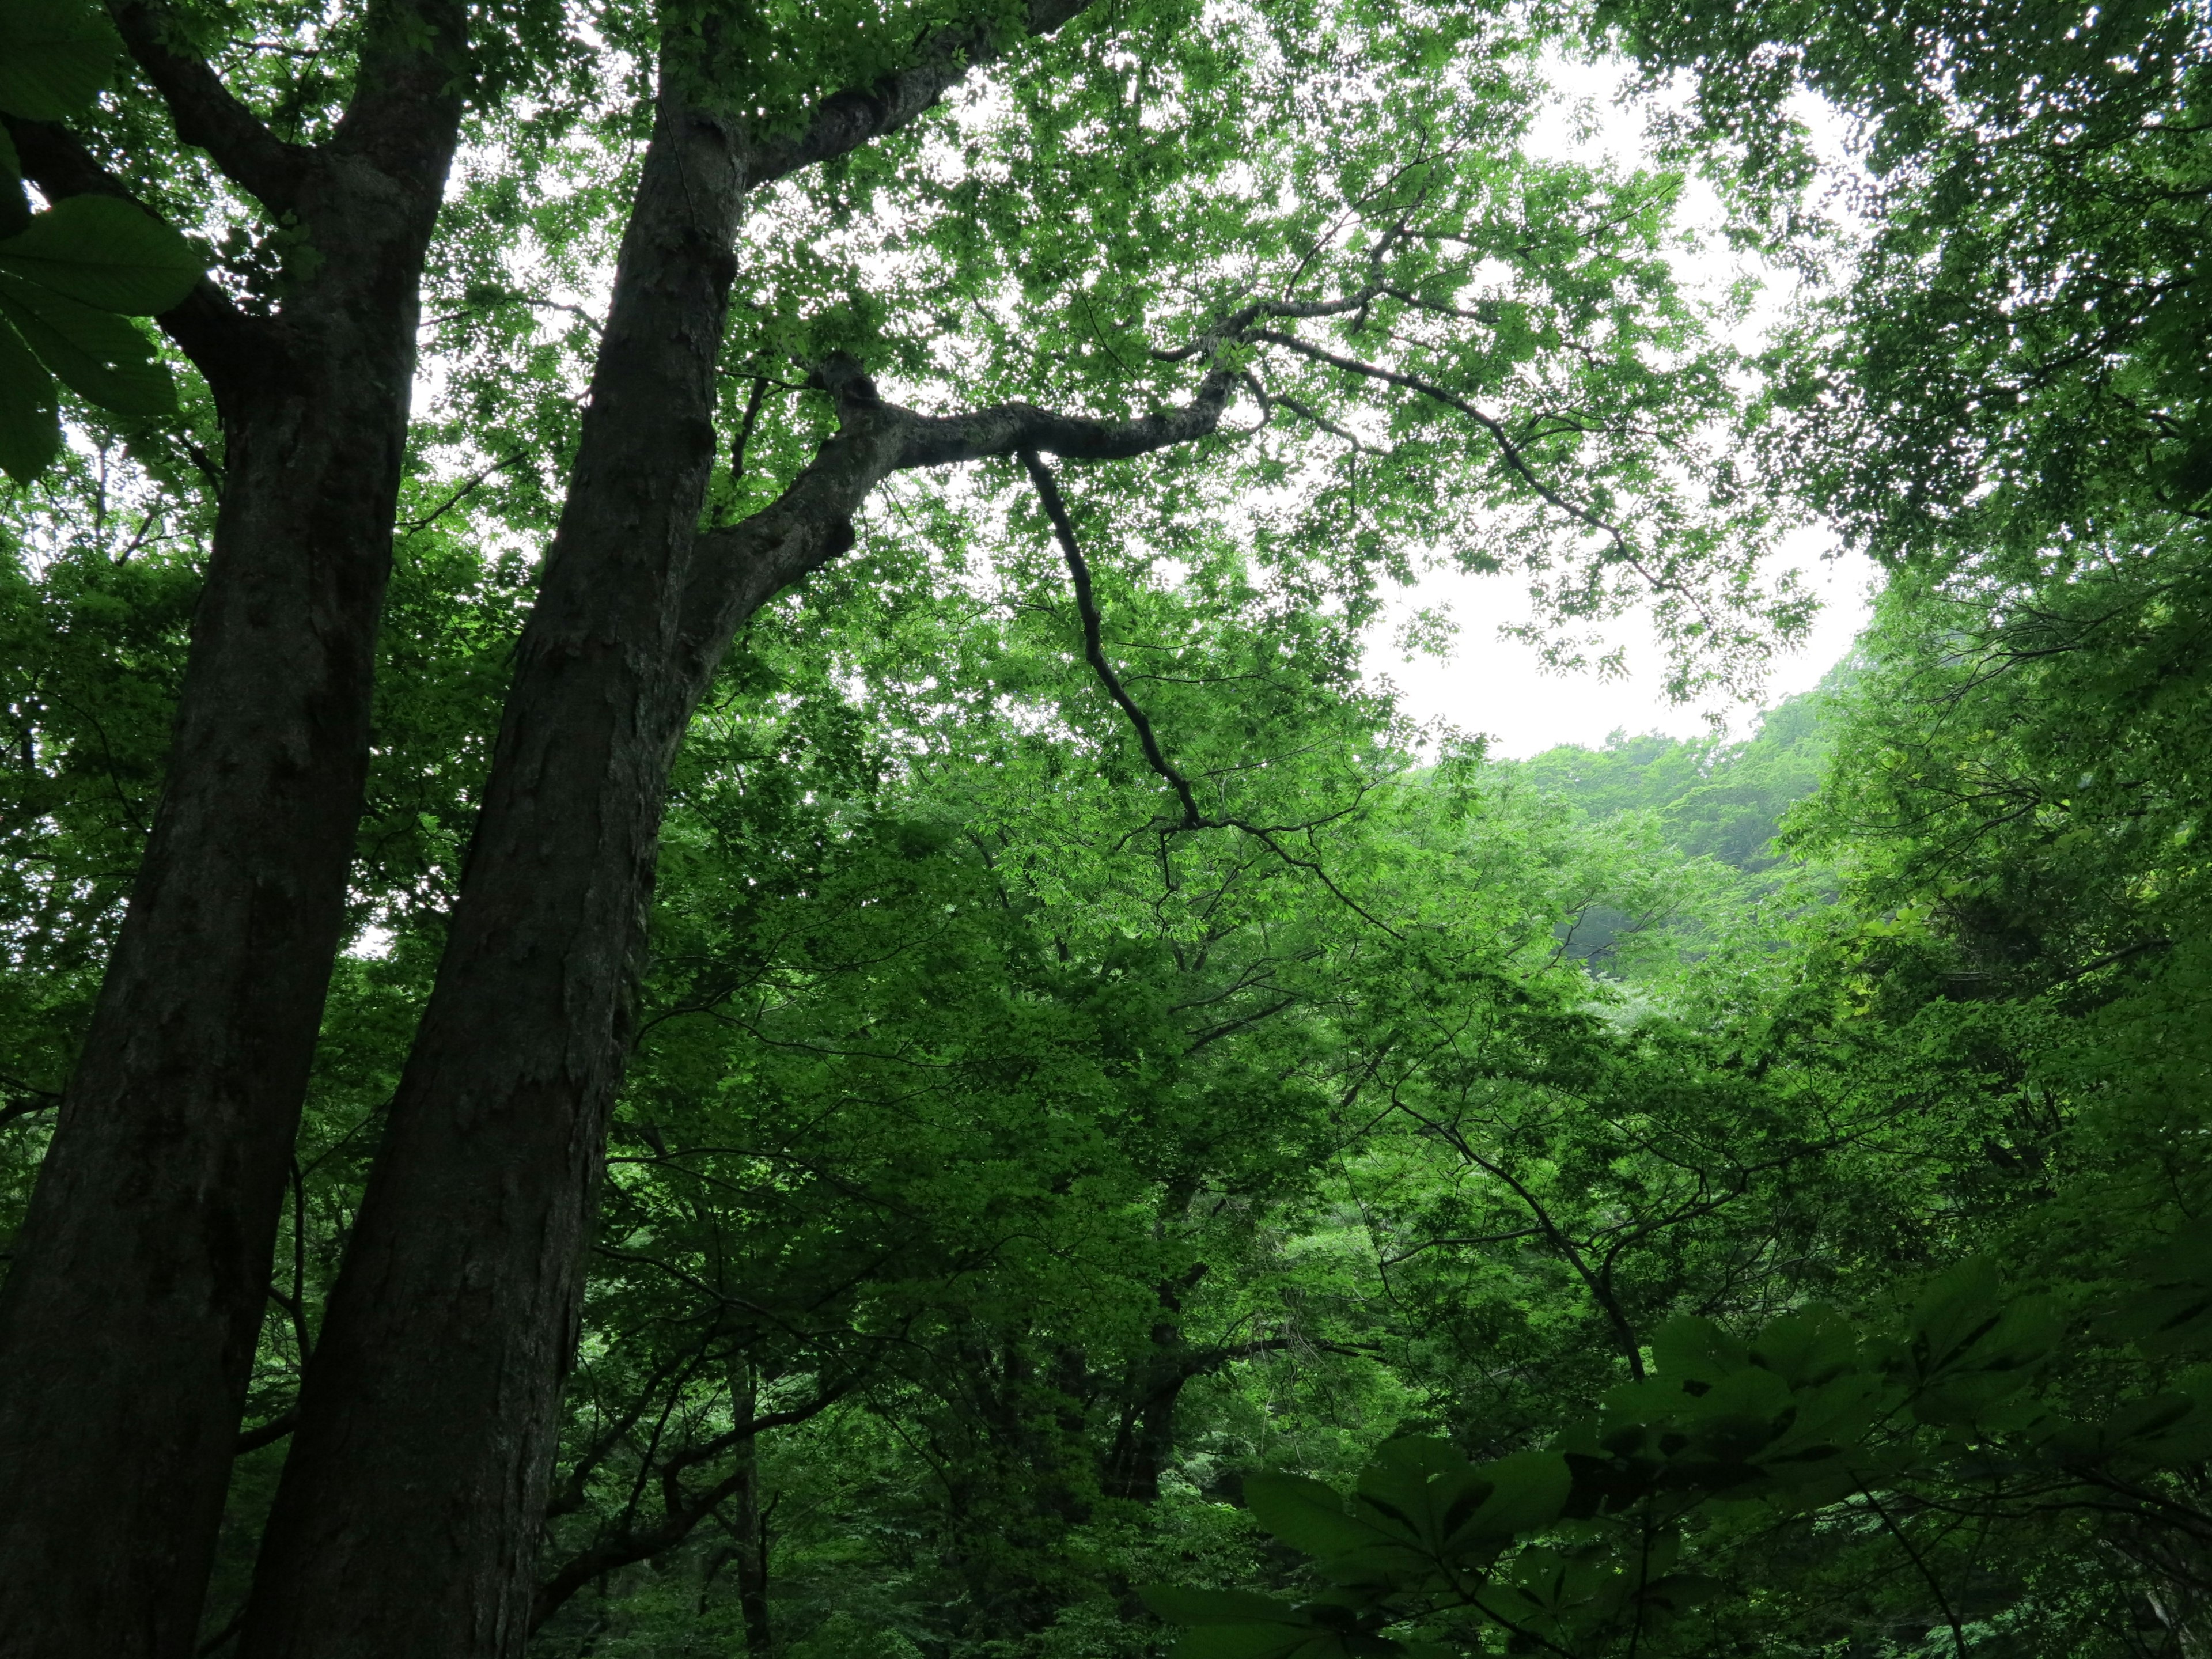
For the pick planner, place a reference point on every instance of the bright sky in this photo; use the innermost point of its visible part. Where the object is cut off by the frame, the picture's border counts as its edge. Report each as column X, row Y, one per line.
column 1495, row 685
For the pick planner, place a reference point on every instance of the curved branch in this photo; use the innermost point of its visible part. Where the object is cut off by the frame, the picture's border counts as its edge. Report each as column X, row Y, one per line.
column 206, row 112
column 735, row 571
column 682, row 1511
column 1094, row 647
column 220, row 341
column 846, row 120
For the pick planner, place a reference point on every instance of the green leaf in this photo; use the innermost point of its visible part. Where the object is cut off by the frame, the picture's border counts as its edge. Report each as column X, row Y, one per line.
column 1420, row 1487
column 1258, row 1642
column 104, row 252
column 2173, row 1310
column 1695, row 1350
column 1959, row 1307
column 30, row 417
column 1308, row 1515
column 55, row 56
column 1527, row 1493
column 96, row 354
column 1811, row 1347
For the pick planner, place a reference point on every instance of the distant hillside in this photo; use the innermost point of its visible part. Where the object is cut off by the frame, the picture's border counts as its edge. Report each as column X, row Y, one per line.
column 1724, row 800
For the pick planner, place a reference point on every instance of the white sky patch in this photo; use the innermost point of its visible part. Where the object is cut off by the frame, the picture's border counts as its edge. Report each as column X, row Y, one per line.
column 1498, row 686
column 1484, row 682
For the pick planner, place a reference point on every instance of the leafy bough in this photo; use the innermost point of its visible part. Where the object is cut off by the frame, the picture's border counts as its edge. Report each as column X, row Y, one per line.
column 1578, row 1550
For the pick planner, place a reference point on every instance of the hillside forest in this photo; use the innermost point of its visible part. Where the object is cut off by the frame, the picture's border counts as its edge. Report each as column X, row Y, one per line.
column 720, row 935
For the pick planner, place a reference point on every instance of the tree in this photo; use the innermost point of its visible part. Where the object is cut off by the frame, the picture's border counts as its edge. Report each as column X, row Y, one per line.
column 156, row 1206
column 1363, row 339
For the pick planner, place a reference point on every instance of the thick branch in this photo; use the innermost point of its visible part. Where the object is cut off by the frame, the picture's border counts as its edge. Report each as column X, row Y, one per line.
column 206, row 113
column 269, row 1433
column 736, row 570
column 414, row 70
column 847, row 120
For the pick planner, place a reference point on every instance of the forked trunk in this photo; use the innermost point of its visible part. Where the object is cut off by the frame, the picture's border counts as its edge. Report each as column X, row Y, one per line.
column 408, row 1515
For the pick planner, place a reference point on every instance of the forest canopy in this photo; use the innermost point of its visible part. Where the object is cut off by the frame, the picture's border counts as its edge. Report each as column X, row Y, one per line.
column 718, row 938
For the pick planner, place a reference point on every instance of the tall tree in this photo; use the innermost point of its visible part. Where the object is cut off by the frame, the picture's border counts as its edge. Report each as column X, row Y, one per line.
column 137, row 1290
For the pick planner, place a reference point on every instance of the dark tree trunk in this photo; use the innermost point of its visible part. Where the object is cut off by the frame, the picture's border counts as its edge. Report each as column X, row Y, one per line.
column 1144, row 1438
column 748, row 1521
column 428, row 1421
column 133, row 1303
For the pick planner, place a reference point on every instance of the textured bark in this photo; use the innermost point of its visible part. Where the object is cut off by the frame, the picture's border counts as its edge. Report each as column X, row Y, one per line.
column 131, row 1309
column 749, row 1524
column 427, row 1417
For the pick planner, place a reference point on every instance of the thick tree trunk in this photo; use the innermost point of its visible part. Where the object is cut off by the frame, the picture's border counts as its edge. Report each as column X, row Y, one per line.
column 408, row 1518
column 136, row 1295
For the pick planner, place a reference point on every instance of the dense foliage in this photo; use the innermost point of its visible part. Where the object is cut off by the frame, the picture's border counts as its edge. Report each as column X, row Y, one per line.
column 1124, row 1130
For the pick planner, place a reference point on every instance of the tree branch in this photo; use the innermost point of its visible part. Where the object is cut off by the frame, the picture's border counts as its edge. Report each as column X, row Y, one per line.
column 1094, row 649
column 1624, row 551
column 735, row 571
column 221, row 341
column 846, row 120
column 414, row 70
column 680, row 1512
column 206, row 113
column 269, row 1433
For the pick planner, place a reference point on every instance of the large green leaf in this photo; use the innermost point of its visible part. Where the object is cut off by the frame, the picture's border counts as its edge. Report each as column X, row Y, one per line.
column 55, row 56
column 99, row 355
column 1811, row 1347
column 1422, row 1487
column 30, row 419
column 104, row 252
column 1527, row 1493
column 1687, row 1348
column 2171, row 1310
column 1309, row 1515
column 1259, row 1642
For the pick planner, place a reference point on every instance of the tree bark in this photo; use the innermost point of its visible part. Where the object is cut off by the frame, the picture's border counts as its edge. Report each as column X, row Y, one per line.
column 748, row 1522
column 131, row 1310
column 429, row 1415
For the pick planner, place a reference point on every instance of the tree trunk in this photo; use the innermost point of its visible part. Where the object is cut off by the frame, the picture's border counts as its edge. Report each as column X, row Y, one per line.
column 134, row 1301
column 748, row 1522
column 429, row 1417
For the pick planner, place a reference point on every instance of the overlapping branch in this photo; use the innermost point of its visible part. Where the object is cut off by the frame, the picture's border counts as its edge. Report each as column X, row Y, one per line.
column 221, row 340
column 206, row 112
column 682, row 1510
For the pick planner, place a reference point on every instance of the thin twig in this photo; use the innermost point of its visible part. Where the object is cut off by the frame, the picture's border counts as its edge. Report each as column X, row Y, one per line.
column 1094, row 648
column 1094, row 652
